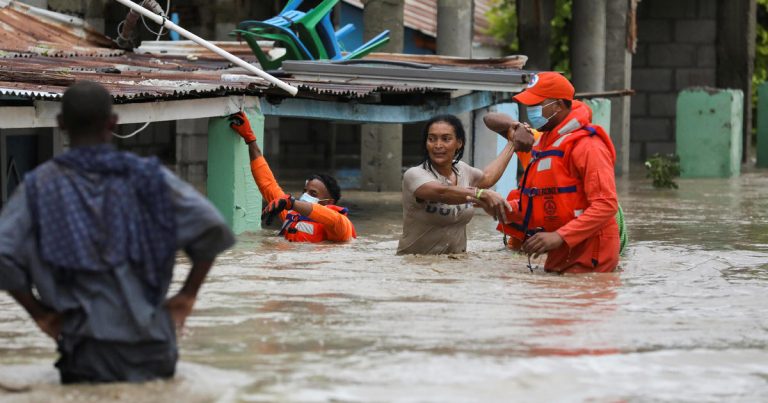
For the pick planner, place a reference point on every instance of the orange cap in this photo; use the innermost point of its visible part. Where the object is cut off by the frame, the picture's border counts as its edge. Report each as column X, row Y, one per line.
column 546, row 85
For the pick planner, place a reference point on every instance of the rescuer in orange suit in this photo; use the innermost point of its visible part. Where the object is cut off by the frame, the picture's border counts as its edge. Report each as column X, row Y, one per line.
column 313, row 217
column 566, row 202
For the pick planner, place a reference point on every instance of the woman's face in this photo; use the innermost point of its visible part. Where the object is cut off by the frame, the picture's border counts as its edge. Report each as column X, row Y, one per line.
column 442, row 144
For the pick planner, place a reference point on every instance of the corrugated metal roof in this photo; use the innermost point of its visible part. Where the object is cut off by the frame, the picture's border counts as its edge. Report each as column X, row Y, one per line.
column 31, row 30
column 35, row 43
column 421, row 15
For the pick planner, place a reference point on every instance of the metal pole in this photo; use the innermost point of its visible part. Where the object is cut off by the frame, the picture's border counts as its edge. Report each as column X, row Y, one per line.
column 213, row 48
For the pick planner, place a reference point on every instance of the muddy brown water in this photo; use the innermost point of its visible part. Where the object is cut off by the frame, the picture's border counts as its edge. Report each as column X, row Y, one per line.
column 684, row 320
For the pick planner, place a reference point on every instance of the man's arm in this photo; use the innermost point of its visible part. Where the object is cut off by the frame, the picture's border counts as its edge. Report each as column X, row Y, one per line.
column 15, row 233
column 592, row 161
column 181, row 304
column 48, row 320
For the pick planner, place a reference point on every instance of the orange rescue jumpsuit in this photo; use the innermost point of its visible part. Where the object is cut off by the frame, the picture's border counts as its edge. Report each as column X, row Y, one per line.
column 333, row 225
column 594, row 234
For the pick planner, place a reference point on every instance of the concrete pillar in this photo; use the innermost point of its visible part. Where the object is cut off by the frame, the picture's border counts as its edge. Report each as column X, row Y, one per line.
column 709, row 132
column 380, row 15
column 230, row 186
column 381, row 157
column 618, row 76
column 588, row 45
column 455, row 27
column 381, row 154
column 95, row 11
column 534, row 31
column 736, row 21
column 762, row 125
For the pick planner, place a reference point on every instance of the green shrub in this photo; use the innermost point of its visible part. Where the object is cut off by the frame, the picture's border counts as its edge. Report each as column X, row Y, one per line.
column 662, row 169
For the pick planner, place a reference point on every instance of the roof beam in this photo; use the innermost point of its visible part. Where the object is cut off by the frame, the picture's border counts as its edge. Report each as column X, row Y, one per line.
column 43, row 113
column 376, row 113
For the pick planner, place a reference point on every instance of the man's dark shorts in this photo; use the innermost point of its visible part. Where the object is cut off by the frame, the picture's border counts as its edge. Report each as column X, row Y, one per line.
column 93, row 361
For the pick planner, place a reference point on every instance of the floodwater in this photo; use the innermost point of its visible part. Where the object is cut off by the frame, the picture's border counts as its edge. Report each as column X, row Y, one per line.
column 684, row 320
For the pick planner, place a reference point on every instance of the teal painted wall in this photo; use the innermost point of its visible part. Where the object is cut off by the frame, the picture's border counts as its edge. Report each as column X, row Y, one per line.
column 230, row 184
column 508, row 181
column 601, row 112
column 762, row 125
column 708, row 130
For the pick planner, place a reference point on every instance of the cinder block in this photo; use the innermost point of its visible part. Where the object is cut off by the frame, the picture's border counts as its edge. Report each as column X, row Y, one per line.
column 705, row 56
column 194, row 149
column 708, row 9
column 638, row 106
column 685, row 78
column 655, row 31
column 658, row 79
column 192, row 126
column 662, row 105
column 663, row 148
column 671, row 55
column 708, row 131
column 636, row 151
column 651, row 129
column 695, row 31
column 673, row 9
column 640, row 58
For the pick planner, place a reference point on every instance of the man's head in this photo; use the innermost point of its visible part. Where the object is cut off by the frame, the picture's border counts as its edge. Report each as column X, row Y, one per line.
column 86, row 113
column 323, row 187
column 548, row 99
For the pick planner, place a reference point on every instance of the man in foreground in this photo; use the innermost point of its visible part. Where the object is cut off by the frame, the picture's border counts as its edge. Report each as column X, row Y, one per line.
column 94, row 232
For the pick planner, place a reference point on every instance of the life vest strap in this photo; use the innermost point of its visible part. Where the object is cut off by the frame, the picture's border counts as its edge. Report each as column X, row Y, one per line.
column 547, row 153
column 533, row 192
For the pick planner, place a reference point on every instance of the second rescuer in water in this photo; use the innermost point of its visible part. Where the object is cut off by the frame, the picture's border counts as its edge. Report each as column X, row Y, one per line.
column 313, row 217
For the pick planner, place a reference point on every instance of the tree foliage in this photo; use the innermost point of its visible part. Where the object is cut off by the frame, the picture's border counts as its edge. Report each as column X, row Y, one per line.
column 502, row 18
column 760, row 74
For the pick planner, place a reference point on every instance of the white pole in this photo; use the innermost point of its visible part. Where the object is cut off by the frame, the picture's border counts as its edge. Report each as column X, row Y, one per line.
column 213, row 48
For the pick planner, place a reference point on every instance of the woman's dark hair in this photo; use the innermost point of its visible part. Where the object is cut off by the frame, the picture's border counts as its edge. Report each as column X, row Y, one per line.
column 458, row 128
column 330, row 184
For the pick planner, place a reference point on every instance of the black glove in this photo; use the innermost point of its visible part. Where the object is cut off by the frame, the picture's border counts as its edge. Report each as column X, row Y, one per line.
column 284, row 202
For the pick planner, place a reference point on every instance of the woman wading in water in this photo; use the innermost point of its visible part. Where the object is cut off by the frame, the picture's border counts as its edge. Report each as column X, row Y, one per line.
column 440, row 194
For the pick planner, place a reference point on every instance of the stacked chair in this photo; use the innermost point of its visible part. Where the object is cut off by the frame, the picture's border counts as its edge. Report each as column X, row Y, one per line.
column 306, row 35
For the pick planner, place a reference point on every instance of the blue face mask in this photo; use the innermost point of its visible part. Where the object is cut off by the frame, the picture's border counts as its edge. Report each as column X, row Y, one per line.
column 535, row 115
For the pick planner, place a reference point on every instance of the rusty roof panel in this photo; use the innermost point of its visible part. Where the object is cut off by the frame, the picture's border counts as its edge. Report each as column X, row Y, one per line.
column 26, row 29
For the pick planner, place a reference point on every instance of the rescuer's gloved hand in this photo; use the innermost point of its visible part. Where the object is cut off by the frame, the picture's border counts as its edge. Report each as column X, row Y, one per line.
column 284, row 202
column 239, row 123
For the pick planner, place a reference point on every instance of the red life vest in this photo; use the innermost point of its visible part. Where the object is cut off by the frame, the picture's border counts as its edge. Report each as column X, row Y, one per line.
column 298, row 228
column 549, row 195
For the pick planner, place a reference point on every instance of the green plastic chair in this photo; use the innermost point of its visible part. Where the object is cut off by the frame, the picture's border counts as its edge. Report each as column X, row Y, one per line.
column 368, row 48
column 321, row 45
column 292, row 52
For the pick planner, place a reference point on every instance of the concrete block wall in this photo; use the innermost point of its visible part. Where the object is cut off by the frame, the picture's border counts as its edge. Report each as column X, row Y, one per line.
column 192, row 152
column 675, row 50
